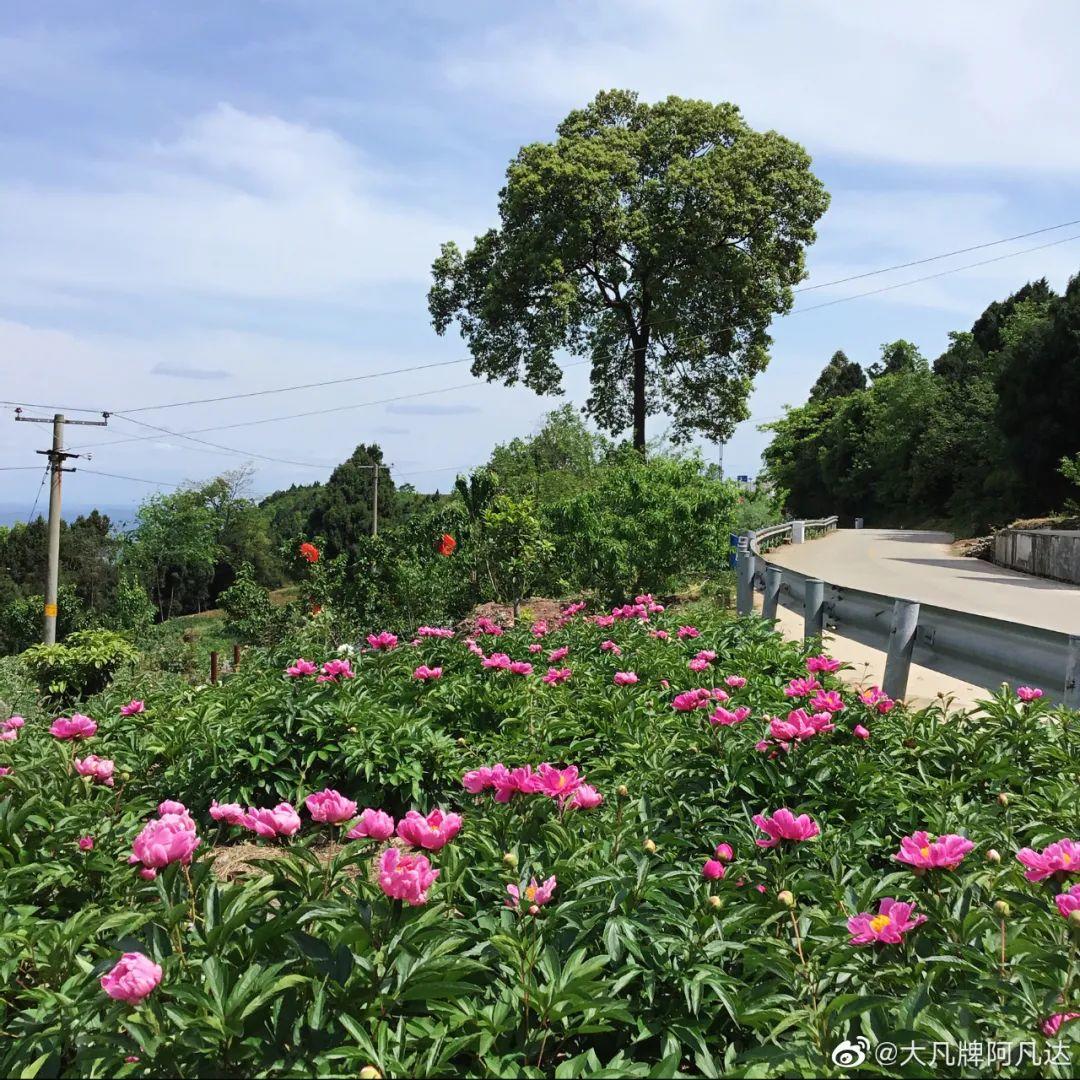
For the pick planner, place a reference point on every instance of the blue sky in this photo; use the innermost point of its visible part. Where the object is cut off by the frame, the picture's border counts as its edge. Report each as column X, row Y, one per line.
column 204, row 199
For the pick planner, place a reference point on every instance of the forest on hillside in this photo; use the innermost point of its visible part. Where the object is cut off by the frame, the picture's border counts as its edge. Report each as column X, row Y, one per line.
column 983, row 435
column 560, row 509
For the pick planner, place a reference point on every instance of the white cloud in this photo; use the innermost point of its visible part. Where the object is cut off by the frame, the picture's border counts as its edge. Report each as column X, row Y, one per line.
column 237, row 207
column 969, row 83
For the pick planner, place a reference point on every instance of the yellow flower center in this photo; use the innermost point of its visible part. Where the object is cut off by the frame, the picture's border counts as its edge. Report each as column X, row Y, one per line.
column 530, row 893
column 924, row 852
column 1066, row 858
column 879, row 922
column 562, row 781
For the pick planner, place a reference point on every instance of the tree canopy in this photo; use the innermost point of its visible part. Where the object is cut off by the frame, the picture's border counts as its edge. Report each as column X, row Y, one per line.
column 656, row 241
column 838, row 378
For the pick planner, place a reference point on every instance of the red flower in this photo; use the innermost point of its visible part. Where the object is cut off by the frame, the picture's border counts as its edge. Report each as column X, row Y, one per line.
column 309, row 552
column 447, row 545
column 316, row 609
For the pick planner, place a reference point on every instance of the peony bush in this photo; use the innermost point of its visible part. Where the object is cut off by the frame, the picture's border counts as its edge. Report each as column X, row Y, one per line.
column 679, row 850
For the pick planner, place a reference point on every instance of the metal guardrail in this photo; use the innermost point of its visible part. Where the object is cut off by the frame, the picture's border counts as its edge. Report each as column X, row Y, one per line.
column 978, row 649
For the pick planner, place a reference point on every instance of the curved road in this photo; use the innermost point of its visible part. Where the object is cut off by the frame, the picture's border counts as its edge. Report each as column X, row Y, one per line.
column 921, row 566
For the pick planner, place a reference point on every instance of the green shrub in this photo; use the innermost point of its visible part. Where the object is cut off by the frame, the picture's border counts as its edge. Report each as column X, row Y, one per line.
column 21, row 620
column 250, row 615
column 80, row 666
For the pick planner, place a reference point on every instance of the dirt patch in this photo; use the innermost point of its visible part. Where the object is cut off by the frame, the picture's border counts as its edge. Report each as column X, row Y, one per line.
column 232, row 861
column 975, row 547
column 534, row 609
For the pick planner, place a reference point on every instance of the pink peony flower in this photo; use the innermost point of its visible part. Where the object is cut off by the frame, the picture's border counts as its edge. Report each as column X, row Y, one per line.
column 299, row 668
column 86, row 843
column 713, row 870
column 405, row 876
column 662, row 635
column 425, row 674
column 230, row 813
column 385, row 640
column 333, row 670
column 1028, row 693
column 6, row 770
column 431, row 832
column 133, row 708
column 784, row 825
column 508, row 782
column 373, row 825
column 688, row 632
column 555, row 676
column 132, row 978
column 888, row 927
column 1068, row 902
column 75, row 727
column 611, row 647
column 689, row 700
column 477, row 780
column 283, row 820
column 557, row 783
column 860, row 732
column 164, row 840
column 801, row 687
column 604, row 621
column 920, row 852
column 586, row 797
column 539, row 628
column 533, row 895
column 736, row 682
column 624, row 678
column 484, row 625
column 724, row 852
column 558, row 654
column 821, row 663
column 726, row 718
column 14, row 723
column 520, row 667
column 497, row 660
column 698, row 664
column 330, row 807
column 536, row 647
column 9, row 734
column 171, row 806
column 1057, row 859
column 1052, row 1025
column 827, row 701
column 97, row 768
column 434, row 631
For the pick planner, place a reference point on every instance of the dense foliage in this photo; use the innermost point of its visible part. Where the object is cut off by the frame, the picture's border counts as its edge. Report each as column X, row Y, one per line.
column 975, row 439
column 656, row 240
column 648, row 947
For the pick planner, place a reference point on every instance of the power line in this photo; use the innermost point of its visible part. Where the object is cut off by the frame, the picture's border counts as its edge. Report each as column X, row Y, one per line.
column 935, row 258
column 18, row 468
column 134, row 479
column 299, row 386
column 37, row 497
column 931, row 277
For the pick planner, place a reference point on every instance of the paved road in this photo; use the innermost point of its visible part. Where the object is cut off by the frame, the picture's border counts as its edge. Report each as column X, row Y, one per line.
column 921, row 566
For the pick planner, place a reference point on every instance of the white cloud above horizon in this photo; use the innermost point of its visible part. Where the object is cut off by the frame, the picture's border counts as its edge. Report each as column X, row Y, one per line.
column 244, row 205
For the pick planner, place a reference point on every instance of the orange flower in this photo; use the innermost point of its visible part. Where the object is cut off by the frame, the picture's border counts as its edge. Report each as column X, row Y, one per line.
column 309, row 552
column 447, row 545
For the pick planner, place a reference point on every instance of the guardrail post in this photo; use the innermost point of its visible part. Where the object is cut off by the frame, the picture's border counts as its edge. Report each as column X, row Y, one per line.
column 1072, row 673
column 905, row 621
column 814, row 608
column 858, row 523
column 744, row 587
column 798, row 532
column 773, row 579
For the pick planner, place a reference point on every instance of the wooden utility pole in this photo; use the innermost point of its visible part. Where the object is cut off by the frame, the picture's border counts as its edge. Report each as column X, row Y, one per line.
column 375, row 504
column 57, row 456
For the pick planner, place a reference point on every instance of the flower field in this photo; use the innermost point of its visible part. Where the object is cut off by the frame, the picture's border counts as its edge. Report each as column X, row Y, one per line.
column 611, row 845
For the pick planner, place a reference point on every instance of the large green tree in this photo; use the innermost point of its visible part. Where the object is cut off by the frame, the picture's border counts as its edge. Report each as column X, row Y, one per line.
column 838, row 378
column 658, row 241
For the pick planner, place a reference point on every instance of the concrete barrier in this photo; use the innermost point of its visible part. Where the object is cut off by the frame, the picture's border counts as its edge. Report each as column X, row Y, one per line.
column 1048, row 553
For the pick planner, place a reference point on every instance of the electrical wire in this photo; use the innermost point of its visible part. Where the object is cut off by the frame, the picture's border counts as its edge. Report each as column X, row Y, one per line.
column 37, row 497
column 134, row 479
column 935, row 258
column 931, row 277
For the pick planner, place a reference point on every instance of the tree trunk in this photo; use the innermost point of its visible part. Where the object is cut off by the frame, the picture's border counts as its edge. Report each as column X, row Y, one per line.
column 641, row 346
